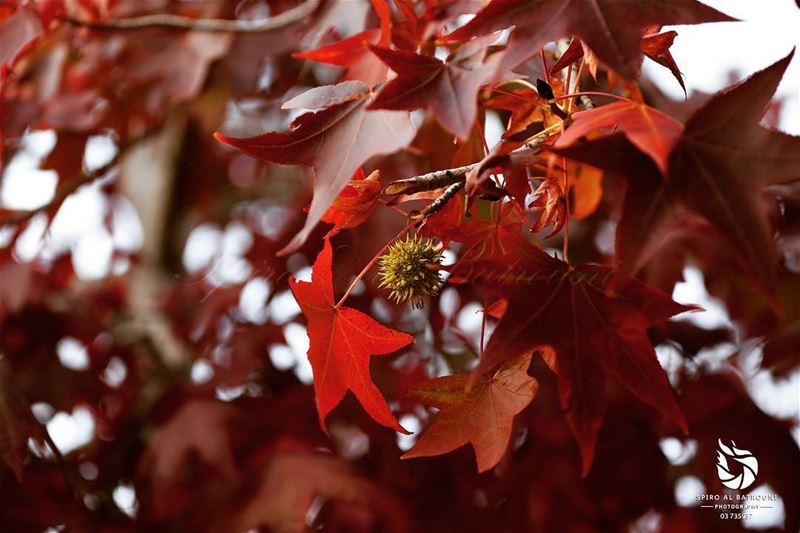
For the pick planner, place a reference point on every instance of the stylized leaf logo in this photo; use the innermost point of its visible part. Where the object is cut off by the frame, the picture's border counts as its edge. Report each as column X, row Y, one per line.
column 744, row 457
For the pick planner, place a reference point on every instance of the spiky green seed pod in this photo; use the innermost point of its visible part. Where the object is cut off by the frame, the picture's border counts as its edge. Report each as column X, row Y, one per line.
column 410, row 270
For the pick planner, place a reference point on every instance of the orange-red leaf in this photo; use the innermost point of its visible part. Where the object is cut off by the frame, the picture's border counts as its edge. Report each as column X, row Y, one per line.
column 482, row 415
column 354, row 204
column 656, row 47
column 528, row 109
column 653, row 132
column 353, row 52
column 341, row 342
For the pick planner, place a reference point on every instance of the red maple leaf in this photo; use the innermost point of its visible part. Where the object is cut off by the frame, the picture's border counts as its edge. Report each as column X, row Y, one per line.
column 353, row 52
column 716, row 168
column 448, row 87
column 482, row 415
column 483, row 237
column 612, row 29
column 335, row 139
column 594, row 331
column 341, row 343
column 654, row 45
column 653, row 132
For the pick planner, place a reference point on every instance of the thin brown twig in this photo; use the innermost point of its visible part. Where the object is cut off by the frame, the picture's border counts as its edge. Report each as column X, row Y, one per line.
column 72, row 479
column 439, row 203
column 273, row 23
column 449, row 176
column 59, row 457
column 593, row 93
column 429, row 181
column 565, row 248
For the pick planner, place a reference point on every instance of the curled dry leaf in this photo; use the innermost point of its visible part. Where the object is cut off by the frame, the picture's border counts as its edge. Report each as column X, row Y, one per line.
column 355, row 203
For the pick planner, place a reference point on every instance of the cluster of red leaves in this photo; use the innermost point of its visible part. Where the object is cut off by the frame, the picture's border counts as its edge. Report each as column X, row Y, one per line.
column 564, row 405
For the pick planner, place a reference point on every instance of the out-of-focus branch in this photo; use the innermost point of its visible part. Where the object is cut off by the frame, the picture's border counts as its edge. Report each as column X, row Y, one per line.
column 147, row 180
column 67, row 187
column 274, row 23
column 17, row 216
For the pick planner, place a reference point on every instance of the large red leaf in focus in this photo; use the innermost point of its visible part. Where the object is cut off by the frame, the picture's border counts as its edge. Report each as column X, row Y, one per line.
column 341, row 343
column 334, row 139
column 482, row 415
column 611, row 28
column 717, row 169
column 449, row 88
column 653, row 132
column 594, row 331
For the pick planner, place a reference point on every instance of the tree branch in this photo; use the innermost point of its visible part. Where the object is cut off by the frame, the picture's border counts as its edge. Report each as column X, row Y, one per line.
column 17, row 216
column 67, row 187
column 277, row 22
column 449, row 176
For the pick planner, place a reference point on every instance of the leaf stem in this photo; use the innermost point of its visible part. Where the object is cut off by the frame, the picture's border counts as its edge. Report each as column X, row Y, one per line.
column 592, row 93
column 483, row 323
column 544, row 66
column 566, row 87
column 565, row 249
